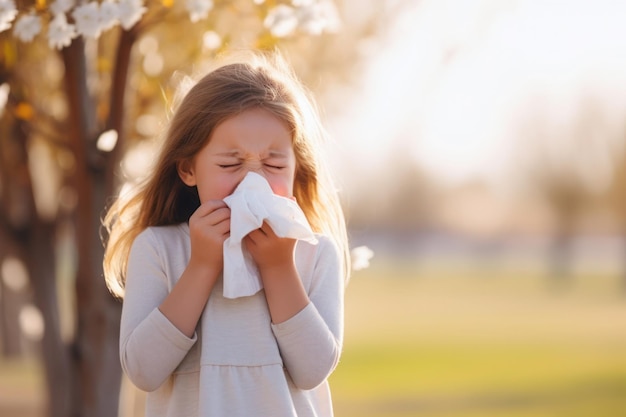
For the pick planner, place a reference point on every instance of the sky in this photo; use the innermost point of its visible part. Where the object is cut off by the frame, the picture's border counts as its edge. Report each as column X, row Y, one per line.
column 451, row 82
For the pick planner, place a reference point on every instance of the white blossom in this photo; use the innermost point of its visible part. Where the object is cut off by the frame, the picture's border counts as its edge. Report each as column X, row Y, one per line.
column 8, row 11
column 61, row 6
column 281, row 20
column 315, row 17
column 109, row 15
column 87, row 17
column 130, row 12
column 303, row 3
column 198, row 9
column 92, row 17
column 60, row 33
column 27, row 27
column 360, row 257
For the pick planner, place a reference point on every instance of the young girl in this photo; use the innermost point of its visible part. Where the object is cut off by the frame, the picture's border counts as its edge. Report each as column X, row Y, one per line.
column 195, row 351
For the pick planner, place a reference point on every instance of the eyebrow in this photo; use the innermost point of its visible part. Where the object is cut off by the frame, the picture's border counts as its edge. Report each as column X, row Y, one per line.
column 271, row 154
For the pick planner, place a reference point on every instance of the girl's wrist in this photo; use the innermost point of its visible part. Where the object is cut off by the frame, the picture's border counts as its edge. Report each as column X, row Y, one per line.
column 203, row 270
column 277, row 270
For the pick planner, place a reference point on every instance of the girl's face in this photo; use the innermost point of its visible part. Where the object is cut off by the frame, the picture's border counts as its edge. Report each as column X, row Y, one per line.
column 254, row 140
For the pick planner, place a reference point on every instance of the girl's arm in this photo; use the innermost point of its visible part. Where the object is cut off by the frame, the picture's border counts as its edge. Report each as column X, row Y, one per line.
column 158, row 325
column 308, row 327
column 274, row 258
column 151, row 347
column 209, row 227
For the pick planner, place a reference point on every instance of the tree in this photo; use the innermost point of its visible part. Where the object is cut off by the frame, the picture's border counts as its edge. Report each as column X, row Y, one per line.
column 66, row 92
column 569, row 165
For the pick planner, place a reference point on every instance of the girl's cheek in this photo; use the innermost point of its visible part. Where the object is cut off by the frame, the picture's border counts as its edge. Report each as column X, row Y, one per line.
column 224, row 188
column 282, row 188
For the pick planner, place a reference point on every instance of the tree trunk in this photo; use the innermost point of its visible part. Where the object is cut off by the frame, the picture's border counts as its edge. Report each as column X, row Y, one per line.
column 82, row 379
column 10, row 333
column 561, row 273
column 11, row 301
column 98, row 314
column 41, row 261
column 560, row 260
column 31, row 240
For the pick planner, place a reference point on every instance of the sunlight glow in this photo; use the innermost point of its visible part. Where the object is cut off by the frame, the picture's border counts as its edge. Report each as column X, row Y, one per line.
column 107, row 141
column 14, row 274
column 4, row 96
column 459, row 85
column 31, row 322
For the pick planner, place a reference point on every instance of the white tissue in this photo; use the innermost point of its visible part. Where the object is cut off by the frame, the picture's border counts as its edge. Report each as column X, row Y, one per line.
column 252, row 203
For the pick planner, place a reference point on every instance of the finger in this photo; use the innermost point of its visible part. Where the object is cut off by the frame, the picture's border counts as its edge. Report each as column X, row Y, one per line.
column 254, row 236
column 223, row 227
column 219, row 215
column 267, row 230
column 213, row 218
column 210, row 206
column 248, row 242
column 261, row 232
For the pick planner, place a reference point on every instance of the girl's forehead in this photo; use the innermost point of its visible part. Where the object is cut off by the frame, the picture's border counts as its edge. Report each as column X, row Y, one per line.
column 258, row 124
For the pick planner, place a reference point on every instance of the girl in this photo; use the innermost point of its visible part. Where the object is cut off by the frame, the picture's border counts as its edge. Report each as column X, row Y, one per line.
column 195, row 351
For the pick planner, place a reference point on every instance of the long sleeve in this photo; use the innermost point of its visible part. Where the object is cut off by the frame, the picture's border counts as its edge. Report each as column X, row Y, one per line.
column 151, row 347
column 237, row 363
column 311, row 341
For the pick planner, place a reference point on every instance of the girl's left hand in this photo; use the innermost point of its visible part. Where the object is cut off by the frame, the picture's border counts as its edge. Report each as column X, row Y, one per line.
column 268, row 250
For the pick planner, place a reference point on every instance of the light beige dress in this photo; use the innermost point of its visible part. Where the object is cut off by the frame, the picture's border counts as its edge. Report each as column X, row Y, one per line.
column 238, row 363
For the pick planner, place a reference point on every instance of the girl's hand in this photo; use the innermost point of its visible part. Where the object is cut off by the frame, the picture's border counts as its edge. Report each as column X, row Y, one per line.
column 275, row 258
column 209, row 227
column 269, row 251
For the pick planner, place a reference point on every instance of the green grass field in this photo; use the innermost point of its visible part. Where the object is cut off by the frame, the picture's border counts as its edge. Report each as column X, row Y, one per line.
column 461, row 343
column 450, row 341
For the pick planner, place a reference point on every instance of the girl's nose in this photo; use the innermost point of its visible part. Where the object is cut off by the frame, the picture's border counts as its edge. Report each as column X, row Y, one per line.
column 254, row 166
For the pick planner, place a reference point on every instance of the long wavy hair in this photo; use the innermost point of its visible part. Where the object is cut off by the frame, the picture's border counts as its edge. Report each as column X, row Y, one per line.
column 255, row 81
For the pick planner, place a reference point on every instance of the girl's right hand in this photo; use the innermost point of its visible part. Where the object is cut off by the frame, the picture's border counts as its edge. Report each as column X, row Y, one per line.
column 209, row 227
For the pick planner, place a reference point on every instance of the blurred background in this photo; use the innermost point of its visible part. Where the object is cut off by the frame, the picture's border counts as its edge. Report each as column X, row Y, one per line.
column 479, row 148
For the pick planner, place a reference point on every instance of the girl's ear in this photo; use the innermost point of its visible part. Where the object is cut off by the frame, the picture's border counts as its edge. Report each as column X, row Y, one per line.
column 185, row 172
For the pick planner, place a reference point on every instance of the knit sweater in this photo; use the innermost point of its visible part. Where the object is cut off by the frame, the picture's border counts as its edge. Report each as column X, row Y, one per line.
column 238, row 363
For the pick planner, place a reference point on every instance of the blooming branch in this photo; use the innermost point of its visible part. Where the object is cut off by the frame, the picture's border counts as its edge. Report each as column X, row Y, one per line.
column 312, row 16
column 27, row 26
column 7, row 14
column 91, row 18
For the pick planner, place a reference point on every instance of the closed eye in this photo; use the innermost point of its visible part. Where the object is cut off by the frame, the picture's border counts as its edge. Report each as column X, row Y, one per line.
column 229, row 165
column 274, row 166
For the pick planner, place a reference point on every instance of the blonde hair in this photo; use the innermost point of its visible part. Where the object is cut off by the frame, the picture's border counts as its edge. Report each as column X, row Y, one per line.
column 255, row 81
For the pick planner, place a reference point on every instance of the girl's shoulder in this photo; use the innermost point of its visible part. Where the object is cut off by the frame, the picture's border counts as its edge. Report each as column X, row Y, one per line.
column 324, row 249
column 325, row 242
column 163, row 235
column 322, row 243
